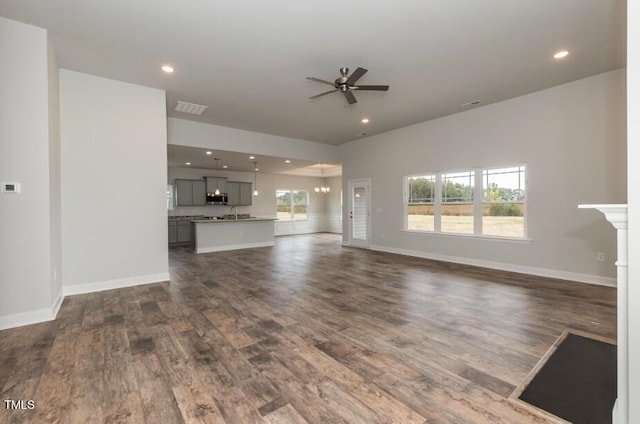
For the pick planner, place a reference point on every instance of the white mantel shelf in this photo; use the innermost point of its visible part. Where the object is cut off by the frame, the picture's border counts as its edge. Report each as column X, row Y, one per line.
column 617, row 216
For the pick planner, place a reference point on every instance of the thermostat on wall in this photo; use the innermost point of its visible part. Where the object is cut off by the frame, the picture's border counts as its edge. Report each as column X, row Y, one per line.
column 10, row 187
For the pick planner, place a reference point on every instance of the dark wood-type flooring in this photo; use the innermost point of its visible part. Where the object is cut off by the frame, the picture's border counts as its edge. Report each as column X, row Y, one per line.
column 306, row 331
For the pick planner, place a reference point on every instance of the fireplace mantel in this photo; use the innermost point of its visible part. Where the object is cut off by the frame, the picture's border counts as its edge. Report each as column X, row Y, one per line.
column 617, row 216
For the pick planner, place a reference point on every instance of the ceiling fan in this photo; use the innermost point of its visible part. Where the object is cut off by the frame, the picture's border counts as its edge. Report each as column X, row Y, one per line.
column 346, row 84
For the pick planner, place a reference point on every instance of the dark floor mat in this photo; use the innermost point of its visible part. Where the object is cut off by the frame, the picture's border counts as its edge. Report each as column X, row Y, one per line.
column 578, row 381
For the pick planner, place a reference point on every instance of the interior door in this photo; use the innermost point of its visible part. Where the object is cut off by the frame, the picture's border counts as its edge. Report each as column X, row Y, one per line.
column 359, row 213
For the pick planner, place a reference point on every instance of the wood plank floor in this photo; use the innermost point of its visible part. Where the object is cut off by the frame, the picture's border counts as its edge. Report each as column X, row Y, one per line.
column 306, row 331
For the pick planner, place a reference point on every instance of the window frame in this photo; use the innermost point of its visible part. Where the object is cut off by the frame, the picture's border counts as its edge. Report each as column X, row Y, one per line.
column 478, row 201
column 292, row 204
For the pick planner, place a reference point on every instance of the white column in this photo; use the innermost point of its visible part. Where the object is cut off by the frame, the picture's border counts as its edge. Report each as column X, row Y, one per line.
column 617, row 216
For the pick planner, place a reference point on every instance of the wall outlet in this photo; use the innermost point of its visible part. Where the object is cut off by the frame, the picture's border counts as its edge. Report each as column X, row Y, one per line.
column 600, row 257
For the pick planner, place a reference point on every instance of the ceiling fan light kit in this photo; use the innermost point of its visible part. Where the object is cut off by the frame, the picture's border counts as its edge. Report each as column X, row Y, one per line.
column 345, row 84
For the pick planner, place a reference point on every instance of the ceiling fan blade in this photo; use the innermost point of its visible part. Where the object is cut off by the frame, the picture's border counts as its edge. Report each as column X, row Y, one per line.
column 371, row 87
column 356, row 75
column 350, row 97
column 320, row 80
column 323, row 94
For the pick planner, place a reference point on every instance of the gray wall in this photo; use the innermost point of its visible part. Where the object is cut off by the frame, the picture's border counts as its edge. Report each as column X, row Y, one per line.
column 633, row 57
column 26, row 137
column 572, row 139
column 114, row 169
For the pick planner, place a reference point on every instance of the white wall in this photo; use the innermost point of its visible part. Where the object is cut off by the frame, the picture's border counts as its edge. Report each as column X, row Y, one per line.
column 197, row 134
column 55, row 195
column 572, row 139
column 334, row 209
column 633, row 157
column 26, row 218
column 114, row 169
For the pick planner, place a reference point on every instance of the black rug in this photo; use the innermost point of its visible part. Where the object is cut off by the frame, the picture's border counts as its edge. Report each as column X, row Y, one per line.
column 578, row 381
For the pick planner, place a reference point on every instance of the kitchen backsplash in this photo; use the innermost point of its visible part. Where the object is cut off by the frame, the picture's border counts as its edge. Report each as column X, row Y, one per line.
column 210, row 210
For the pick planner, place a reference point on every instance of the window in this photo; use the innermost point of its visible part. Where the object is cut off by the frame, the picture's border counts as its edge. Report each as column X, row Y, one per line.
column 503, row 202
column 292, row 205
column 447, row 202
column 422, row 194
column 457, row 202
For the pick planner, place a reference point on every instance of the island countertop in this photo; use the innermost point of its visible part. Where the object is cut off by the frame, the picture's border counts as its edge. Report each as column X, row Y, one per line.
column 220, row 221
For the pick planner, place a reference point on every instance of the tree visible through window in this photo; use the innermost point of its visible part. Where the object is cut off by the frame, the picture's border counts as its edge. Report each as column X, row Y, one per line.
column 503, row 202
column 292, row 205
column 448, row 202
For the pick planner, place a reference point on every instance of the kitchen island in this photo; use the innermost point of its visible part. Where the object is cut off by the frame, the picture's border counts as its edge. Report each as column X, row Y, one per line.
column 215, row 235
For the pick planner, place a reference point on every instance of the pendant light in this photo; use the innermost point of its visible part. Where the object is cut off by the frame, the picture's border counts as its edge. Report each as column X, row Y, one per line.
column 217, row 192
column 255, row 178
column 322, row 189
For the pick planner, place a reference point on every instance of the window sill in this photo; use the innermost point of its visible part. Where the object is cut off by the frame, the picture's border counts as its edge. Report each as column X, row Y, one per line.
column 471, row 236
column 293, row 220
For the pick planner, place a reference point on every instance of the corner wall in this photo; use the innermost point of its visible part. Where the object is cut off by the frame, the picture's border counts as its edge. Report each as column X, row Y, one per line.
column 26, row 224
column 114, row 169
column 571, row 137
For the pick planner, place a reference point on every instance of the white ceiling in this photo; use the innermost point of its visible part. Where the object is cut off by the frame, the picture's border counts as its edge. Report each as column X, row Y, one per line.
column 247, row 61
column 241, row 162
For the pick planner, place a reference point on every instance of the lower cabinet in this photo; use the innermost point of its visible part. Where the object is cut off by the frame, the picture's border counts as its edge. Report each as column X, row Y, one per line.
column 179, row 232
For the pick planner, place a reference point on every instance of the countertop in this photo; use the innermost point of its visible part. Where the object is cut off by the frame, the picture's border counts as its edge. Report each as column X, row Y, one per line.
column 222, row 221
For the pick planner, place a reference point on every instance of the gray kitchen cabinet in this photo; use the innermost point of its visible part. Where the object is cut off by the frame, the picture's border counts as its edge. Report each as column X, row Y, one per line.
column 246, row 194
column 199, row 193
column 184, row 232
column 173, row 232
column 239, row 193
column 216, row 182
column 179, row 231
column 190, row 192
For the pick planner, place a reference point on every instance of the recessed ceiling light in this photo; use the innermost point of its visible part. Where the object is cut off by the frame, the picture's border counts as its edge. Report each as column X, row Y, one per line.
column 365, row 120
column 252, row 157
column 225, row 166
column 561, row 54
column 256, row 169
column 287, row 161
column 209, row 152
column 168, row 69
column 187, row 163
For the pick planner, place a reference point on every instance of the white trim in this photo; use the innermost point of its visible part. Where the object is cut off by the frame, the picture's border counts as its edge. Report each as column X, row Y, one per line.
column 470, row 236
column 235, row 247
column 542, row 272
column 57, row 304
column 114, row 284
column 30, row 317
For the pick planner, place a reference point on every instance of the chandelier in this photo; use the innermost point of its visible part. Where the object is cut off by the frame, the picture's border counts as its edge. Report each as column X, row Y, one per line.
column 322, row 189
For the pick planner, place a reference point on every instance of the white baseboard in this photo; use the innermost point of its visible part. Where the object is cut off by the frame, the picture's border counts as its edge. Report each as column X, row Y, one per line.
column 542, row 272
column 114, row 284
column 30, row 317
column 49, row 314
column 57, row 304
column 235, row 247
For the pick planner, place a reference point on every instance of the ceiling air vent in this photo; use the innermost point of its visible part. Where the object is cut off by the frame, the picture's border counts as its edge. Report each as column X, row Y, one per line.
column 190, row 108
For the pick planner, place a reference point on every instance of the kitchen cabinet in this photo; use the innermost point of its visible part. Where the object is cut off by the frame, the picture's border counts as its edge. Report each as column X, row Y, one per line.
column 216, row 182
column 173, row 232
column 190, row 192
column 239, row 193
column 179, row 231
column 184, row 232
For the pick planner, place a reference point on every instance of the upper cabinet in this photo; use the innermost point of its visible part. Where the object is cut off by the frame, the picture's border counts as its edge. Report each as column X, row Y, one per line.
column 190, row 192
column 239, row 193
column 219, row 183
